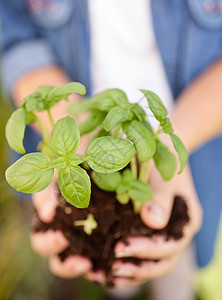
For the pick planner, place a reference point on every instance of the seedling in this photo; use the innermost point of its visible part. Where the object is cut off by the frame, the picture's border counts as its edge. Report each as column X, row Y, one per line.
column 120, row 135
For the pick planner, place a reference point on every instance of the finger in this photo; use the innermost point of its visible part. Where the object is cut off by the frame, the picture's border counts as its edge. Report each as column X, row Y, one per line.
column 49, row 242
column 45, row 202
column 156, row 213
column 146, row 270
column 96, row 277
column 149, row 248
column 73, row 266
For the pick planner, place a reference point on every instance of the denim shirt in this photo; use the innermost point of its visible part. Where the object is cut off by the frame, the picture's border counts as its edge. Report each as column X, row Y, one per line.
column 37, row 33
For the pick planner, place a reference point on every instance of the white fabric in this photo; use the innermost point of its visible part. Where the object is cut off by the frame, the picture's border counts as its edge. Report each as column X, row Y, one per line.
column 124, row 53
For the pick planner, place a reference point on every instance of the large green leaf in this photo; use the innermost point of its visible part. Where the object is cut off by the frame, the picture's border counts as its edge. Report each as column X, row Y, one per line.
column 75, row 186
column 140, row 191
column 142, row 138
column 155, row 105
column 92, row 122
column 165, row 161
column 31, row 173
column 109, row 154
column 65, row 138
column 116, row 96
column 181, row 151
column 62, row 92
column 115, row 116
column 107, row 181
column 15, row 130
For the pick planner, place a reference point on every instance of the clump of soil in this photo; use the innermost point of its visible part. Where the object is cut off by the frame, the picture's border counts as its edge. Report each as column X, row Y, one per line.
column 115, row 222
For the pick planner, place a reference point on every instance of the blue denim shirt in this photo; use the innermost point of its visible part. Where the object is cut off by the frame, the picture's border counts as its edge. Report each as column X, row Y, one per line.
column 38, row 33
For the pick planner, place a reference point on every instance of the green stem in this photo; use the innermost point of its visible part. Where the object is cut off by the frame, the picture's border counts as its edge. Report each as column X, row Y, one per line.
column 133, row 166
column 159, row 130
column 144, row 171
column 50, row 117
column 137, row 206
column 43, row 130
column 117, row 130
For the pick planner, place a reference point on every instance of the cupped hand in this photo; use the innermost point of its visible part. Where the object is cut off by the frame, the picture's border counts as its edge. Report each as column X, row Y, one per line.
column 50, row 243
column 156, row 214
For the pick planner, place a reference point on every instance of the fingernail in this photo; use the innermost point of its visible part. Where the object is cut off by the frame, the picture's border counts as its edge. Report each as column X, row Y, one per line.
column 156, row 212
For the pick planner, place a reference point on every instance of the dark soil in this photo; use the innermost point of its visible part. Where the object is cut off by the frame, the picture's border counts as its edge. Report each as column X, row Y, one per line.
column 115, row 222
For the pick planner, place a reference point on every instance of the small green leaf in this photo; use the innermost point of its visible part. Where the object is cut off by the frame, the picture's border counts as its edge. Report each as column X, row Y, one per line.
column 35, row 102
column 75, row 186
column 106, row 181
column 62, row 92
column 29, row 118
column 58, row 163
column 109, row 154
column 65, row 138
column 138, row 111
column 115, row 116
column 75, row 160
column 123, row 198
column 15, row 130
column 92, row 122
column 88, row 225
column 114, row 96
column 44, row 90
column 142, row 138
column 155, row 105
column 166, row 126
column 140, row 191
column 122, row 188
column 165, row 161
column 31, row 173
column 127, row 176
column 181, row 151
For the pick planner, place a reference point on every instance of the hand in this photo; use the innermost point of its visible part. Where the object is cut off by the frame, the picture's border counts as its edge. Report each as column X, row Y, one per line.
column 50, row 243
column 156, row 214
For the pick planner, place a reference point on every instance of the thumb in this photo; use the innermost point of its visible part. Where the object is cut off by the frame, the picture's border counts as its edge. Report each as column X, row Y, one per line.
column 156, row 213
column 45, row 202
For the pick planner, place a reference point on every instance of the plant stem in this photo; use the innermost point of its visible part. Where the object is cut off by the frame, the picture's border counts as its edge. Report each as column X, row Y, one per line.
column 117, row 130
column 144, row 171
column 50, row 117
column 44, row 133
column 137, row 206
column 133, row 166
column 159, row 130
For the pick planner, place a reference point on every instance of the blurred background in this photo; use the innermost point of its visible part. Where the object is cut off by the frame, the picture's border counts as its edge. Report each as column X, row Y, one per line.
column 24, row 275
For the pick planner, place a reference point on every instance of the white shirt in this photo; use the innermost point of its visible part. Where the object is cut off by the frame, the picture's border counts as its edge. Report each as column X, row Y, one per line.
column 124, row 53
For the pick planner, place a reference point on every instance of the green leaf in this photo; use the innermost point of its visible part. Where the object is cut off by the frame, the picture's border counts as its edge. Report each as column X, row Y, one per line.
column 116, row 96
column 155, row 105
column 75, row 186
column 115, row 116
column 142, row 138
column 148, row 126
column 75, row 160
column 138, row 111
column 15, row 130
column 44, row 90
column 44, row 148
column 140, row 191
column 65, row 138
column 92, row 122
column 181, row 151
column 106, row 181
column 31, row 173
column 59, row 163
column 35, row 102
column 122, row 188
column 109, row 154
column 165, row 161
column 123, row 198
column 166, row 126
column 62, row 92
column 29, row 118
column 127, row 176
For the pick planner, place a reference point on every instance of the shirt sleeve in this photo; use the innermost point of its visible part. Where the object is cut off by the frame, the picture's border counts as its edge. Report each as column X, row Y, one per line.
column 23, row 45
